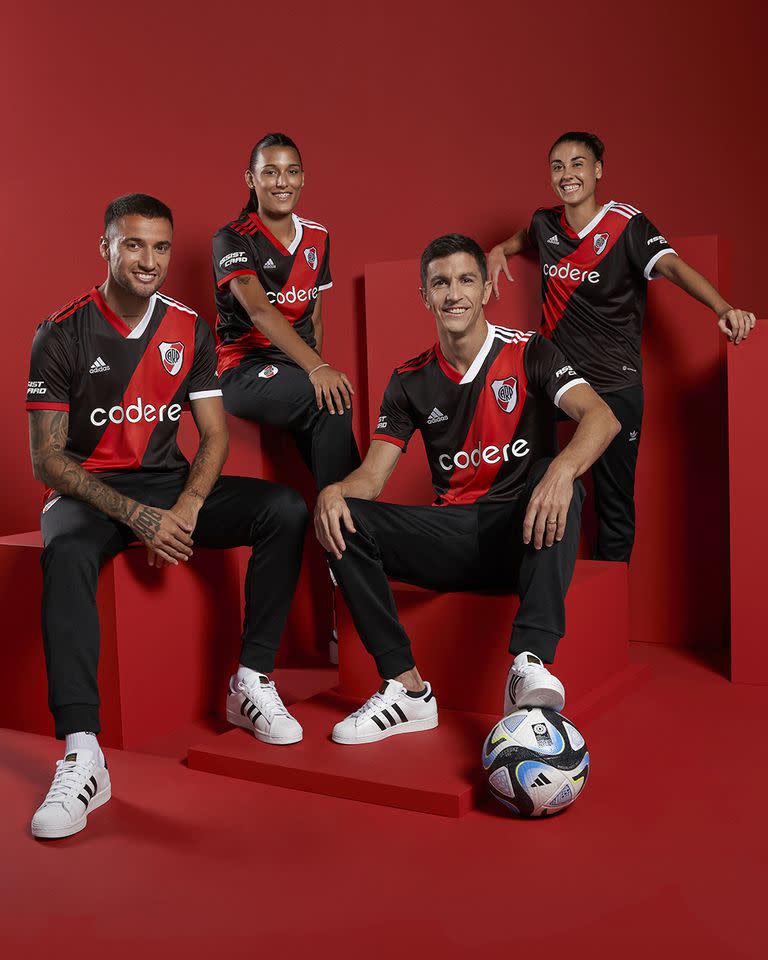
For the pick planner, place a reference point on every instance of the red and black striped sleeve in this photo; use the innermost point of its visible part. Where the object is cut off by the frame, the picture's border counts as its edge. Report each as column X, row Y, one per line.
column 51, row 368
column 396, row 424
column 232, row 256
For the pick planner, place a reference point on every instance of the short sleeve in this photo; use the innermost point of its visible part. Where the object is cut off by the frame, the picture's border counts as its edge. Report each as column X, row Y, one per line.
column 645, row 245
column 324, row 279
column 50, row 370
column 547, row 368
column 395, row 423
column 232, row 256
column 203, row 379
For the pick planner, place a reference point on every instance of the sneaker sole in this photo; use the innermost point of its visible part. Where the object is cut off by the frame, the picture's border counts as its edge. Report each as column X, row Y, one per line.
column 410, row 726
column 549, row 699
column 237, row 720
column 57, row 833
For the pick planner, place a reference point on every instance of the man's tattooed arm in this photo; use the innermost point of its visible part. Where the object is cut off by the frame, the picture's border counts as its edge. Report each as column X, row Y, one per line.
column 212, row 452
column 47, row 441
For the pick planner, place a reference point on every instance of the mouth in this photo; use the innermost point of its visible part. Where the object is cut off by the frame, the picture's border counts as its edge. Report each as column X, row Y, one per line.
column 455, row 311
column 282, row 195
column 569, row 188
column 144, row 277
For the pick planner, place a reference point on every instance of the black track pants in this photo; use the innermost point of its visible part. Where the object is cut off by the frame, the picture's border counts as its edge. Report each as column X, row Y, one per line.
column 287, row 399
column 471, row 547
column 240, row 511
column 614, row 478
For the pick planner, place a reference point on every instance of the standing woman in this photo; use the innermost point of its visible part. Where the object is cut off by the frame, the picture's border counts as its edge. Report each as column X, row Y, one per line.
column 271, row 268
column 596, row 262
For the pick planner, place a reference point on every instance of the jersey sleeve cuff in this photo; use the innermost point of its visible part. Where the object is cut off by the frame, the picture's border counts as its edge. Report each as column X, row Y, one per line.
column 203, row 394
column 387, row 439
column 43, row 405
column 647, row 273
column 565, row 388
column 235, row 273
column 325, row 286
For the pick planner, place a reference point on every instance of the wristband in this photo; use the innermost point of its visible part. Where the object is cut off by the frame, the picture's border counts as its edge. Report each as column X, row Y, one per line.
column 318, row 367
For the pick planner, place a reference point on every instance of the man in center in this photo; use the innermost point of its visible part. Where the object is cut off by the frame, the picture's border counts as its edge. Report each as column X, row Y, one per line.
column 507, row 510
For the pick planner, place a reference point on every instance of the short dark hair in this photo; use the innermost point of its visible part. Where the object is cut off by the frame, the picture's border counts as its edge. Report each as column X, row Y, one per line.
column 590, row 140
column 136, row 203
column 449, row 244
column 267, row 141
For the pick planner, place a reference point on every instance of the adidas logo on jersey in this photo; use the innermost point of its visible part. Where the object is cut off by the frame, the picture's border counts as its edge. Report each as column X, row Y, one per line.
column 436, row 416
column 270, row 264
column 554, row 239
column 98, row 366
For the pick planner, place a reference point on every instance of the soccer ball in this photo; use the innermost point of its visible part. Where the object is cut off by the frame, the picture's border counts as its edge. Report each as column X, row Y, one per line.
column 537, row 762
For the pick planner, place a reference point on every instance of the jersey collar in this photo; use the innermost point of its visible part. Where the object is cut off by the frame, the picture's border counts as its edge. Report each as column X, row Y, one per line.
column 298, row 234
column 113, row 320
column 452, row 373
column 589, row 227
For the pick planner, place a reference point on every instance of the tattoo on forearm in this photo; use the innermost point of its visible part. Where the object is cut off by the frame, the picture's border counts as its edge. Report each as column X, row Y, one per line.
column 204, row 471
column 146, row 523
column 48, row 441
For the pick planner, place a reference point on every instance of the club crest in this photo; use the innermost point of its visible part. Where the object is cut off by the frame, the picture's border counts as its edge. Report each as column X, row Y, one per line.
column 600, row 241
column 310, row 255
column 505, row 392
column 172, row 355
column 268, row 372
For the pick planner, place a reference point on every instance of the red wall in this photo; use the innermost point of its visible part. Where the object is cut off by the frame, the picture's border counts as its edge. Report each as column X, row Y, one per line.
column 413, row 120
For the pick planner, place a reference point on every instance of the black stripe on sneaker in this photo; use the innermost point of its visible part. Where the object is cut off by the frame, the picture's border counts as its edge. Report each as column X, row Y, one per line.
column 378, row 722
column 243, row 705
column 93, row 781
column 251, row 710
column 428, row 697
column 84, row 800
column 389, row 717
column 89, row 790
column 400, row 713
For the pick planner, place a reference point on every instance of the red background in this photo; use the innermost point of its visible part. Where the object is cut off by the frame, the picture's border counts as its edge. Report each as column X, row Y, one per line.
column 413, row 120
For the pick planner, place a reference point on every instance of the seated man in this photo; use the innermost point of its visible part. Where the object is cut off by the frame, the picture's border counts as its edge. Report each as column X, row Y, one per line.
column 506, row 515
column 109, row 375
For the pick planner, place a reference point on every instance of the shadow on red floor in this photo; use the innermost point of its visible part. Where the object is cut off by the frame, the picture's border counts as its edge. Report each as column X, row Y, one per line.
column 664, row 852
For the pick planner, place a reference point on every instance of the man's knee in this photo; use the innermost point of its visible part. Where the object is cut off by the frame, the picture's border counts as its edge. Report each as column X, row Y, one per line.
column 68, row 551
column 285, row 507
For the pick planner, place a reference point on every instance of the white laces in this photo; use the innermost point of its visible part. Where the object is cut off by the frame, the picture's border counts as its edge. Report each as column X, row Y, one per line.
column 68, row 781
column 266, row 698
column 373, row 705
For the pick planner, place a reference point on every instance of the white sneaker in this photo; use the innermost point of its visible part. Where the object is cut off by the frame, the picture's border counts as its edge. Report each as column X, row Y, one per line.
column 389, row 711
column 257, row 707
column 530, row 684
column 80, row 785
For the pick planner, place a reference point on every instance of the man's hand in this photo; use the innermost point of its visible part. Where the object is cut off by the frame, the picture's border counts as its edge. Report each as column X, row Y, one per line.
column 331, row 508
column 736, row 324
column 165, row 534
column 497, row 264
column 333, row 388
column 547, row 510
column 186, row 508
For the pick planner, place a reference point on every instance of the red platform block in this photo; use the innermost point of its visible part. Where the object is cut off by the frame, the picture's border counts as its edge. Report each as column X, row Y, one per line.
column 460, row 640
column 169, row 639
column 748, row 461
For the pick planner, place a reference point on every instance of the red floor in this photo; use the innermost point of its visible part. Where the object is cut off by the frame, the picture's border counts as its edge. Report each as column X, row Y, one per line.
column 667, row 851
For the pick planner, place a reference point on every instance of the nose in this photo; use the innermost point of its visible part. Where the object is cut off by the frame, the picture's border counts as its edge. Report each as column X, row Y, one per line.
column 147, row 260
column 454, row 290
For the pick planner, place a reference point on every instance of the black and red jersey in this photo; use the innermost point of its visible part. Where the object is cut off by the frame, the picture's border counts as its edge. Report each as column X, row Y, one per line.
column 594, row 286
column 484, row 430
column 293, row 277
column 123, row 388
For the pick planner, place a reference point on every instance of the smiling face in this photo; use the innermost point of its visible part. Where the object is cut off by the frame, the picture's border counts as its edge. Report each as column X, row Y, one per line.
column 456, row 293
column 138, row 251
column 574, row 172
column 277, row 178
